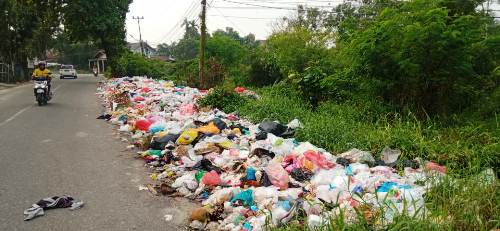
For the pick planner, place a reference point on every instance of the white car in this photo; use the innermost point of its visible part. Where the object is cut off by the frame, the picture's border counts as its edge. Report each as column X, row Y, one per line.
column 67, row 71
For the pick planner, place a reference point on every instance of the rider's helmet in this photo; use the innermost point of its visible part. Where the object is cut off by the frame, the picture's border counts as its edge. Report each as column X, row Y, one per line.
column 41, row 65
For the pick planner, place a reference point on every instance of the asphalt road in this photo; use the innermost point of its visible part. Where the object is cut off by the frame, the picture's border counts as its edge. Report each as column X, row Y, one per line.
column 61, row 149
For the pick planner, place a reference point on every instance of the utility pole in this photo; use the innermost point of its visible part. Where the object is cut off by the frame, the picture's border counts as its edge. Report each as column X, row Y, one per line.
column 202, row 43
column 140, row 35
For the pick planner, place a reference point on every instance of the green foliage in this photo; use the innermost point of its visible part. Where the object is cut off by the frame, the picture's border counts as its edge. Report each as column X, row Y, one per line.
column 294, row 50
column 418, row 56
column 466, row 148
column 226, row 49
column 77, row 53
column 100, row 21
column 131, row 64
column 27, row 31
column 470, row 203
column 222, row 98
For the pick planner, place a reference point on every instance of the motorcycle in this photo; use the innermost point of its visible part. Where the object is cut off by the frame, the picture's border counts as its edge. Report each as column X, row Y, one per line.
column 41, row 90
column 95, row 72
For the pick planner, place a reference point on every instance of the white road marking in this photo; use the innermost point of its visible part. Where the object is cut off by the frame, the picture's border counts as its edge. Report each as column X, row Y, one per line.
column 57, row 88
column 23, row 110
column 15, row 115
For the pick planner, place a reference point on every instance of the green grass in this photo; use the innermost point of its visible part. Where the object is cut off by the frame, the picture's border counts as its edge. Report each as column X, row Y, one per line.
column 466, row 144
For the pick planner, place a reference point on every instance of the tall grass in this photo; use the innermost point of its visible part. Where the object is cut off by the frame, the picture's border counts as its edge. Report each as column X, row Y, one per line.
column 466, row 144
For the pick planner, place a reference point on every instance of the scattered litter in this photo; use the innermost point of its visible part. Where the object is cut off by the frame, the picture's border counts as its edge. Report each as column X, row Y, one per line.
column 245, row 174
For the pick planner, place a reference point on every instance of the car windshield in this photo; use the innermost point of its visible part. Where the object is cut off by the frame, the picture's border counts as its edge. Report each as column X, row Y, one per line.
column 67, row 67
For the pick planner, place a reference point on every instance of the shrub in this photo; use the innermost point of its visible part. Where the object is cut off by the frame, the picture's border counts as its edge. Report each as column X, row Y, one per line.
column 222, row 98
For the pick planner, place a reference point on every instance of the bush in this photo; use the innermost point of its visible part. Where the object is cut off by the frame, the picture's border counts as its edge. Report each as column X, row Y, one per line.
column 421, row 57
column 131, row 64
column 222, row 98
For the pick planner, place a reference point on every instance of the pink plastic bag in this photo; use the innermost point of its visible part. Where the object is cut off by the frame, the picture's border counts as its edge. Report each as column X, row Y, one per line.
column 318, row 160
column 153, row 118
column 211, row 178
column 277, row 175
column 187, row 109
column 435, row 167
column 139, row 106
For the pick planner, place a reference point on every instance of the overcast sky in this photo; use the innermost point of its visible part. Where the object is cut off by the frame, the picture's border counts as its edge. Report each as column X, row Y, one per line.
column 163, row 18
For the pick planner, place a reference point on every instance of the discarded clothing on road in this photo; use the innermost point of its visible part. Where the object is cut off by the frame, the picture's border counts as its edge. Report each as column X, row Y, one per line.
column 51, row 203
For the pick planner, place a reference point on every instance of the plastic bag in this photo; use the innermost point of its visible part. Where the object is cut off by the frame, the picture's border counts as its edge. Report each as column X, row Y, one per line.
column 245, row 196
column 187, row 109
column 318, row 160
column 389, row 155
column 272, row 127
column 294, row 124
column 187, row 136
column 210, row 128
column 356, row 155
column 325, row 177
column 211, row 178
column 142, row 125
column 277, row 175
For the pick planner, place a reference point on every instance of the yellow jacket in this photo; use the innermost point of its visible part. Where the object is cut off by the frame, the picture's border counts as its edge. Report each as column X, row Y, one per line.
column 39, row 73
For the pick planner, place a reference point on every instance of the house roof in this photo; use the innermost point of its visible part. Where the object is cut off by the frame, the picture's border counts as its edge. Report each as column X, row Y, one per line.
column 137, row 46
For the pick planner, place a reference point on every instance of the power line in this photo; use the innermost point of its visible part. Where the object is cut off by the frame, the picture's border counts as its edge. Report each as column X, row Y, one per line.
column 227, row 19
column 193, row 7
column 230, row 16
column 140, row 34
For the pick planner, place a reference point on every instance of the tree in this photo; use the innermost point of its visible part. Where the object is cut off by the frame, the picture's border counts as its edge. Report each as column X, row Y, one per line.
column 188, row 46
column 418, row 55
column 100, row 21
column 165, row 49
column 27, row 31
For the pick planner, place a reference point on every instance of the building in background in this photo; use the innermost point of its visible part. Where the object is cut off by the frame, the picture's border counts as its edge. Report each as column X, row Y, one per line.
column 136, row 48
column 99, row 61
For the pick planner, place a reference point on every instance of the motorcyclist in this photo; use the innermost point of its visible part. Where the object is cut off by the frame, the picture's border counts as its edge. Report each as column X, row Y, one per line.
column 94, row 70
column 42, row 72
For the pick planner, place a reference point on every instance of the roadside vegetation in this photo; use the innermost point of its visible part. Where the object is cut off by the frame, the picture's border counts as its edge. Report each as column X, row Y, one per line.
column 421, row 76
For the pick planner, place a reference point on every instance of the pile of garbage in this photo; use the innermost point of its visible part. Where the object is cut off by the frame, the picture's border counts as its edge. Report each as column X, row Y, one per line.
column 250, row 175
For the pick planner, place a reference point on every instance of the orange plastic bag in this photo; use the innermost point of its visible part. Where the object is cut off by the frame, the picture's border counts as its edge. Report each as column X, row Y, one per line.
column 209, row 129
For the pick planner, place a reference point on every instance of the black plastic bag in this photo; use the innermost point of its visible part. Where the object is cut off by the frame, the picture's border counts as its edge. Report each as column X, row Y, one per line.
column 207, row 166
column 272, row 127
column 159, row 143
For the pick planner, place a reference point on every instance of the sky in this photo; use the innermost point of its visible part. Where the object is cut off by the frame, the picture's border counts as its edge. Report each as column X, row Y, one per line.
column 163, row 18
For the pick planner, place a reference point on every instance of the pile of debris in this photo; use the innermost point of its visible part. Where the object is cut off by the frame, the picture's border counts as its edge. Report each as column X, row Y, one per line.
column 245, row 173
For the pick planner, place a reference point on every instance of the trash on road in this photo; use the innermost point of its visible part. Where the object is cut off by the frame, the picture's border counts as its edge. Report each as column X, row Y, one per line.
column 51, row 203
column 245, row 173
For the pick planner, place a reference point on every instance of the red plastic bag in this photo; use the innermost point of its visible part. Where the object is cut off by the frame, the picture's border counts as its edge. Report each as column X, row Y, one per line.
column 240, row 89
column 211, row 178
column 139, row 98
column 318, row 160
column 145, row 90
column 277, row 175
column 142, row 125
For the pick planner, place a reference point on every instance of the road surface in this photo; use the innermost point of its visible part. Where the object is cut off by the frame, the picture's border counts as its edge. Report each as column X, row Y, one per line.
column 62, row 149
